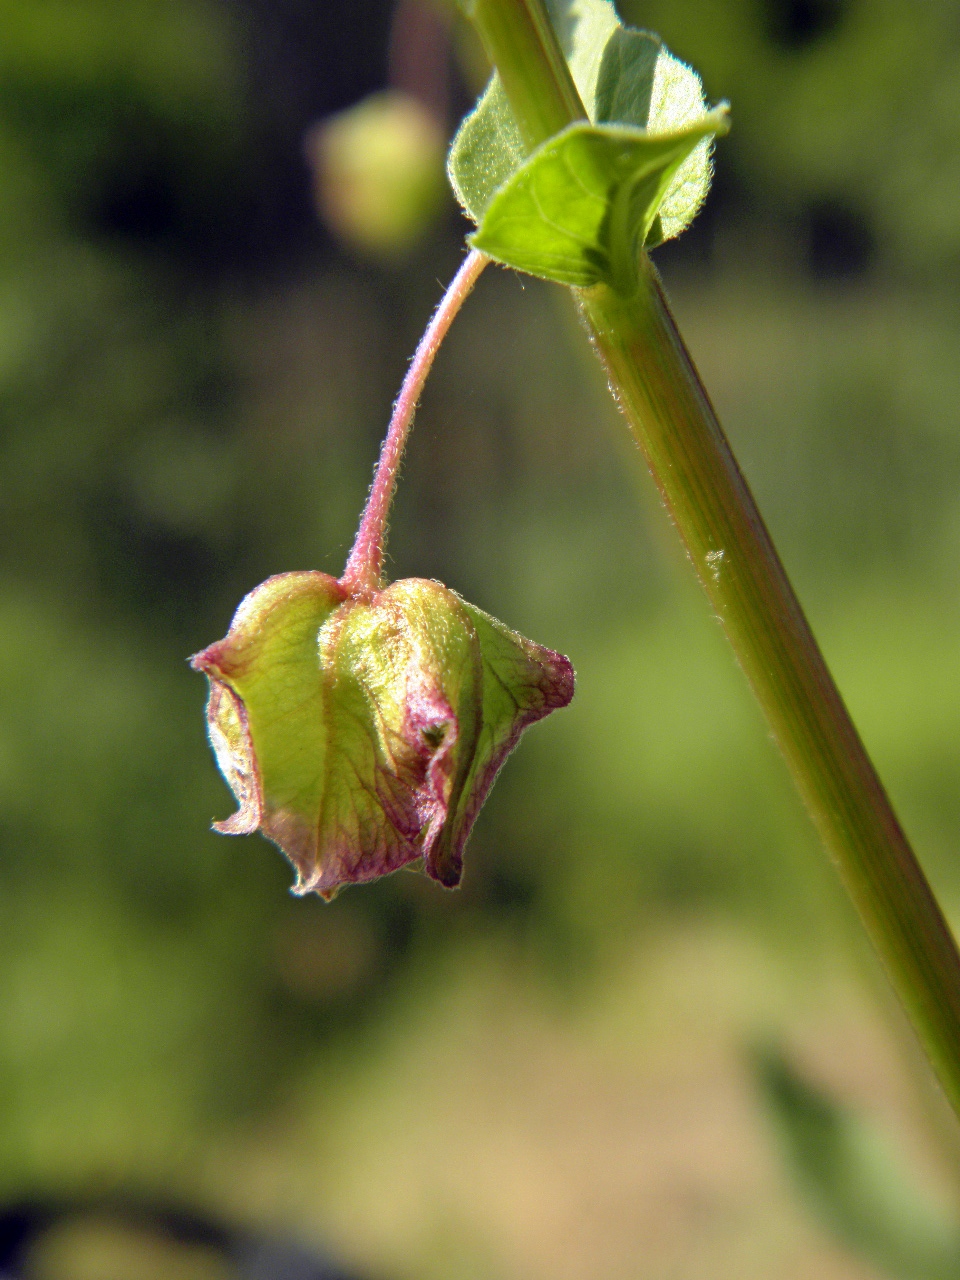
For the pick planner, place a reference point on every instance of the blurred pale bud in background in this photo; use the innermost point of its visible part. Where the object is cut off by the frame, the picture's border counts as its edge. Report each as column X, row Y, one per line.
column 378, row 175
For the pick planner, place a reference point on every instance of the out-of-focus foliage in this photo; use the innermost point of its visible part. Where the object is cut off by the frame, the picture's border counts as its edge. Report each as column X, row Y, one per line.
column 856, row 1182
column 193, row 385
column 378, row 173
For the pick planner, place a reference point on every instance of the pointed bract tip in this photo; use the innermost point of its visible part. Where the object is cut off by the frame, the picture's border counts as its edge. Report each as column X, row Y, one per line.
column 361, row 735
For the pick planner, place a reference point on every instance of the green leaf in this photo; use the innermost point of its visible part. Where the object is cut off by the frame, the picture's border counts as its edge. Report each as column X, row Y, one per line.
column 581, row 208
column 677, row 103
column 584, row 28
column 488, row 148
column 854, row 1180
column 624, row 76
column 360, row 734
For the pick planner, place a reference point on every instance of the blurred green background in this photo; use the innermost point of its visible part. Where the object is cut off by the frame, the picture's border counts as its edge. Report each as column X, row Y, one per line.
column 204, row 316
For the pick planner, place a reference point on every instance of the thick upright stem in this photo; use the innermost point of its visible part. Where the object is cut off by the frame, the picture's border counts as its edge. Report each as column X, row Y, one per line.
column 671, row 417
column 520, row 40
column 659, row 391
column 365, row 562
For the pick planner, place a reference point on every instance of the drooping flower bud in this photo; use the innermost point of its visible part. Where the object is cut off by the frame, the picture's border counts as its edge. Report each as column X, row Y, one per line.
column 361, row 733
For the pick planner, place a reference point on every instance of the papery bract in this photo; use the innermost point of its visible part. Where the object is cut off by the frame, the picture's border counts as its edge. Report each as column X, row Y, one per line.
column 363, row 732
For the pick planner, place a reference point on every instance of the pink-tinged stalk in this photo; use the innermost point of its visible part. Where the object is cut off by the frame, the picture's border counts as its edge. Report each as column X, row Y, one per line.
column 364, row 569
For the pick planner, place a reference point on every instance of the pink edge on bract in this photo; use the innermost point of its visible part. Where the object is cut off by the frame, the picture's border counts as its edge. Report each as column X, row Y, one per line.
column 295, row 838
column 229, row 733
column 419, row 769
column 432, row 729
column 557, row 688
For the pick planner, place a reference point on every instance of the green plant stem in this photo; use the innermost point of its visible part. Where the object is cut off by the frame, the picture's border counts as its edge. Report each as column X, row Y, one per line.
column 520, row 40
column 656, row 385
column 673, row 421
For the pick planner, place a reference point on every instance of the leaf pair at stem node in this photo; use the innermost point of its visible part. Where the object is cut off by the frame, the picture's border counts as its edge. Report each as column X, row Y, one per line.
column 582, row 207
